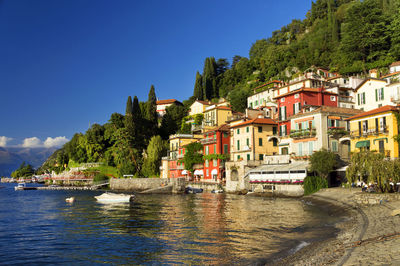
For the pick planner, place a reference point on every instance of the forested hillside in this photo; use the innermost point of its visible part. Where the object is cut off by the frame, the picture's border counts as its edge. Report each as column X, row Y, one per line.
column 349, row 37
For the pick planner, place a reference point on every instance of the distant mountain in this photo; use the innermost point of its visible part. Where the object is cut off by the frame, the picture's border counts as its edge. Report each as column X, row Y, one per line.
column 12, row 157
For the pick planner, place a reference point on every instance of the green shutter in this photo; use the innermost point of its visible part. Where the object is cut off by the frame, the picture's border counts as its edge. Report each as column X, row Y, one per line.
column 382, row 93
column 376, row 94
column 358, row 99
column 364, row 98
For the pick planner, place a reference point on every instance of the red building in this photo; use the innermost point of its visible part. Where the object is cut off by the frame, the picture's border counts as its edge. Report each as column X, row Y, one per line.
column 216, row 146
column 294, row 101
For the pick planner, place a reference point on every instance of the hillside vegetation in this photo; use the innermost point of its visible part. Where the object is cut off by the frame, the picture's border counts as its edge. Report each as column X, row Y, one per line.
column 345, row 36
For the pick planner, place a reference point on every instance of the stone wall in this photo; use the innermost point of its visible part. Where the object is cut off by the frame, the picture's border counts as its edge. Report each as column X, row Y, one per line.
column 205, row 186
column 365, row 198
column 284, row 190
column 236, row 179
column 138, row 184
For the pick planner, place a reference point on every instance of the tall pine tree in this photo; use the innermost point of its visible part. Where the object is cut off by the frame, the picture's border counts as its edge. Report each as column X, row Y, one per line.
column 151, row 107
column 210, row 79
column 198, row 87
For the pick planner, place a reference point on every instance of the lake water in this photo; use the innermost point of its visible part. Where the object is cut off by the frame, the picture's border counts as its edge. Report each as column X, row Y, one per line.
column 39, row 227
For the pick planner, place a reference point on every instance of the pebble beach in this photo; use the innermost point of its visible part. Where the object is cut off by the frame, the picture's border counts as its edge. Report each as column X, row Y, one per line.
column 370, row 234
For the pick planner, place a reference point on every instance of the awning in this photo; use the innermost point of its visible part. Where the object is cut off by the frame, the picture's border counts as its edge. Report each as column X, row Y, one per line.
column 364, row 143
column 214, row 172
column 381, row 139
column 184, row 172
column 198, row 172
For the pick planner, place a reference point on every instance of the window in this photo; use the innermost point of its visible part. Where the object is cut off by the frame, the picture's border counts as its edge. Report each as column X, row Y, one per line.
column 333, row 98
column 247, row 129
column 261, row 157
column 259, row 129
column 282, row 113
column 300, row 148
column 248, row 157
column 238, row 145
column 215, row 148
column 238, row 131
column 361, row 98
column 379, row 94
column 296, row 96
column 207, row 163
column 382, row 124
column 206, row 150
column 256, row 103
column 282, row 100
column 215, row 162
column 251, row 105
column 225, row 148
column 225, row 134
column 274, row 142
column 296, row 108
column 248, row 142
column 334, row 146
column 207, row 172
column 365, row 126
column 238, row 157
column 274, row 129
column 310, row 147
column 260, row 142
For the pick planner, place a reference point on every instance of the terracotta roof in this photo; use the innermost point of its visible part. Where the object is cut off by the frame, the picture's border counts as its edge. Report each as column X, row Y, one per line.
column 220, row 108
column 168, row 101
column 365, row 80
column 305, row 90
column 224, row 127
column 265, row 121
column 391, row 74
column 335, row 77
column 397, row 63
column 205, row 103
column 383, row 109
column 330, row 109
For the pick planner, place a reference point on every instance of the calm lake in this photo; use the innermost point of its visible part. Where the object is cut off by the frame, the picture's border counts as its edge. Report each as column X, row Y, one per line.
column 39, row 227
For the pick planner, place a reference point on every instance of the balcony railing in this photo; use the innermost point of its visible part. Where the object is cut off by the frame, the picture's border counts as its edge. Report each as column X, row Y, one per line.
column 302, row 134
column 338, row 131
column 208, row 141
column 369, row 132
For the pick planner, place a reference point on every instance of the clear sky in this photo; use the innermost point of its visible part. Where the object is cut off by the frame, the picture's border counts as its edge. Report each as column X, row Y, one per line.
column 66, row 64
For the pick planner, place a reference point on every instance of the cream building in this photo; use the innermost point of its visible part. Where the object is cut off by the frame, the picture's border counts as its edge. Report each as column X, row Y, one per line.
column 372, row 93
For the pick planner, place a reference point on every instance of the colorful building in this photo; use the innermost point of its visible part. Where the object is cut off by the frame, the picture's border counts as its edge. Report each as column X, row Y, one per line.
column 216, row 149
column 252, row 140
column 163, row 104
column 374, row 130
column 372, row 93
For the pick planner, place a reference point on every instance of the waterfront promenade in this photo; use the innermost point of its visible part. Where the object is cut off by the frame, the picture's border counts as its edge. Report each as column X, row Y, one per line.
column 371, row 236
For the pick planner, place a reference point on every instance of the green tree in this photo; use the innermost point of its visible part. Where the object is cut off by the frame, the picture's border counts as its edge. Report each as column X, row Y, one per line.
column 155, row 150
column 209, row 79
column 193, row 155
column 172, row 120
column 238, row 99
column 198, row 87
column 151, row 104
column 323, row 162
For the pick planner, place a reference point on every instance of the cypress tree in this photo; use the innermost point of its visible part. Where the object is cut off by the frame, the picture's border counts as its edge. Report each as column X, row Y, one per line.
column 128, row 109
column 151, row 105
column 210, row 79
column 198, row 88
column 128, row 121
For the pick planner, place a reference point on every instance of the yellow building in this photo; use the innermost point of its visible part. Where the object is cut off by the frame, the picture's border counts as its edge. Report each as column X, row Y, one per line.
column 374, row 131
column 178, row 140
column 250, row 140
column 215, row 116
column 198, row 107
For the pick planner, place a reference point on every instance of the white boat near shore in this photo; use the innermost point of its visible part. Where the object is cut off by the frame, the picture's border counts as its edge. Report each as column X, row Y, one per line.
column 108, row 197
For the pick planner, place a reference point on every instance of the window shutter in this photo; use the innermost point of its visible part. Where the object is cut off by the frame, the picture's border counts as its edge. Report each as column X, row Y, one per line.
column 376, row 95
column 359, row 128
column 358, row 99
column 376, row 124
column 363, row 97
column 382, row 97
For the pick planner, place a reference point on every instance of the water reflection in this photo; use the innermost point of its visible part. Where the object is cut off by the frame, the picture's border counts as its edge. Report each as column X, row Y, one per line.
column 154, row 229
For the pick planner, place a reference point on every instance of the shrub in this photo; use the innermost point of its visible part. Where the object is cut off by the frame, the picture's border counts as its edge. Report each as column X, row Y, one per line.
column 100, row 177
column 314, row 183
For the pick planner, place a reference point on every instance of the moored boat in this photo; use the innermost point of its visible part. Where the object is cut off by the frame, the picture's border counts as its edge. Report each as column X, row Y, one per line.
column 108, row 197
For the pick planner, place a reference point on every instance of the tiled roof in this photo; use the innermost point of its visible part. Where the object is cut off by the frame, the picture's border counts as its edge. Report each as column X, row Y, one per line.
column 397, row 63
column 303, row 90
column 383, row 109
column 365, row 80
column 205, row 103
column 391, row 74
column 330, row 109
column 224, row 127
column 168, row 101
column 265, row 121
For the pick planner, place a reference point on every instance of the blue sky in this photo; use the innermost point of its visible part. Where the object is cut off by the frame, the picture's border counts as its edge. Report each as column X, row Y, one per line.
column 66, row 64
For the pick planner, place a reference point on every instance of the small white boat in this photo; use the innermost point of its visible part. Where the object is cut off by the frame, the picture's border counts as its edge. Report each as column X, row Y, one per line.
column 70, row 200
column 20, row 186
column 114, row 198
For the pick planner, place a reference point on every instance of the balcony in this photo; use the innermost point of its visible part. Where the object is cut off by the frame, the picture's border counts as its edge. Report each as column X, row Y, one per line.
column 303, row 134
column 337, row 131
column 369, row 132
column 208, row 141
column 346, row 99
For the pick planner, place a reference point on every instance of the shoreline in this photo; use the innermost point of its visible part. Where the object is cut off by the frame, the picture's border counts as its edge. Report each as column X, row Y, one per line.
column 369, row 235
